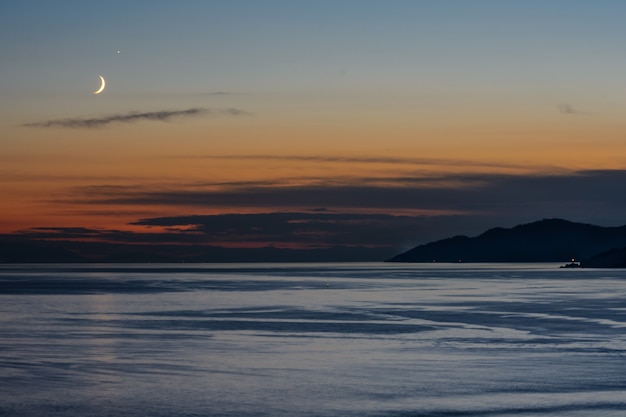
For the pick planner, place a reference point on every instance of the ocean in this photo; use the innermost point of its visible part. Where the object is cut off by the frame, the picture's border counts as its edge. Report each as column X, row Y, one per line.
column 360, row 339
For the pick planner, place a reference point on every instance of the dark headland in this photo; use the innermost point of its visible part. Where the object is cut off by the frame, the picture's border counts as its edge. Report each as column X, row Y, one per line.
column 548, row 240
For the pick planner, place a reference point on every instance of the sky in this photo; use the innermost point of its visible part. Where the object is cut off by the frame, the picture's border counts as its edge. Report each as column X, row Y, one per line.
column 308, row 124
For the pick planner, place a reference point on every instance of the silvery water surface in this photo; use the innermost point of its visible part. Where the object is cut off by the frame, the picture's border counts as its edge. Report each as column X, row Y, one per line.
column 312, row 340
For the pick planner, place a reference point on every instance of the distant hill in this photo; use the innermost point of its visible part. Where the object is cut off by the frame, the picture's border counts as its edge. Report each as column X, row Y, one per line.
column 614, row 258
column 29, row 252
column 549, row 240
column 16, row 250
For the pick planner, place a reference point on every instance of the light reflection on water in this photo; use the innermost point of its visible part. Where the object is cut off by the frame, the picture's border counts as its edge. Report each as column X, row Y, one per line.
column 312, row 340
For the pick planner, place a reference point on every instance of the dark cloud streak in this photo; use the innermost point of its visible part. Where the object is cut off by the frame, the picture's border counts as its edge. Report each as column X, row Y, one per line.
column 305, row 230
column 568, row 109
column 131, row 117
column 585, row 195
column 373, row 160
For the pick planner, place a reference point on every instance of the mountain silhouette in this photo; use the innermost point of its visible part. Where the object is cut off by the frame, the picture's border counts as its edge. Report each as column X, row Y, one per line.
column 16, row 250
column 614, row 258
column 548, row 240
column 28, row 252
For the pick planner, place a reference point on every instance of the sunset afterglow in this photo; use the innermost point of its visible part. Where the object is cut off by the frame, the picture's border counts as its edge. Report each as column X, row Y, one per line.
column 417, row 118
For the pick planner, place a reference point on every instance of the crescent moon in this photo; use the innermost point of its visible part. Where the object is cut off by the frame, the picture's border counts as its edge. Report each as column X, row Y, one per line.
column 102, row 85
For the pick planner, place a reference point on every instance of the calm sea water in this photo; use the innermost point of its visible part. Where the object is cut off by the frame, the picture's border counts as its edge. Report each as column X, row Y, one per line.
column 312, row 340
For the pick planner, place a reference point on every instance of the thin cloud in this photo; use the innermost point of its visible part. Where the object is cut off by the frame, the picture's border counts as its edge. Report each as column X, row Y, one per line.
column 569, row 195
column 377, row 160
column 568, row 109
column 131, row 117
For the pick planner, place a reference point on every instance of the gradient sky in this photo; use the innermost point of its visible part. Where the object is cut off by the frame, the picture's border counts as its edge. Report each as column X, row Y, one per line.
column 309, row 123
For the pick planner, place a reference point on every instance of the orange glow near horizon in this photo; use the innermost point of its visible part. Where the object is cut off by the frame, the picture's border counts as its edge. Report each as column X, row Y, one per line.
column 71, row 177
column 40, row 183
